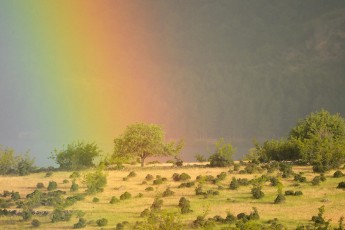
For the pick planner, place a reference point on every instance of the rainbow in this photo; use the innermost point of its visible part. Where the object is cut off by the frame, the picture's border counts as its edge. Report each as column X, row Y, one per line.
column 87, row 68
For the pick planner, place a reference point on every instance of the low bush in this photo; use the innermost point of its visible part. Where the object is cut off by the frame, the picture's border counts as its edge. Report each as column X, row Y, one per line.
column 158, row 181
column 49, row 174
column 132, row 174
column 140, row 195
column 298, row 193
column 52, row 185
column 149, row 177
column 65, row 181
column 186, row 185
column 300, row 178
column 95, row 200
column 257, row 193
column 234, row 184
column 341, row 184
column 289, row 193
column 40, row 185
column 81, row 223
column 157, row 204
column 279, row 199
column 61, row 215
column 145, row 213
column 102, row 222
column 114, row 200
column 35, row 223
column 15, row 196
column 274, row 181
column 125, row 196
column 168, row 192
column 74, row 187
column 149, row 189
column 74, row 175
column 243, row 181
column 316, row 180
column 338, row 174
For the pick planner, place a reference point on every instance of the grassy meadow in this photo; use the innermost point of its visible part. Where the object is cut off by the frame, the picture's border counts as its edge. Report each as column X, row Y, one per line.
column 295, row 210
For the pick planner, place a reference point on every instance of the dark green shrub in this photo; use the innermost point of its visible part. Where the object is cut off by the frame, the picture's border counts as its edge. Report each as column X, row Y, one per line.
column 144, row 182
column 65, row 181
column 120, row 226
column 168, row 192
column 274, row 181
column 95, row 182
column 223, row 155
column 149, row 189
column 243, row 181
column 316, row 180
column 222, row 176
column 300, row 178
column 61, row 215
column 114, row 200
column 27, row 214
column 234, row 184
column 157, row 204
column 257, row 193
column 286, row 170
column 49, row 174
column 81, row 223
column 184, row 176
column 198, row 190
column 158, row 181
column 178, row 162
column 230, row 218
column 186, row 185
column 125, row 196
column 279, row 199
column 298, row 193
column 35, row 223
column 15, row 196
column 102, row 222
column 95, row 200
column 140, row 195
column 338, row 174
column 149, row 177
column 322, row 177
column 341, row 184
column 52, row 185
column 40, row 185
column 236, row 167
column 289, row 193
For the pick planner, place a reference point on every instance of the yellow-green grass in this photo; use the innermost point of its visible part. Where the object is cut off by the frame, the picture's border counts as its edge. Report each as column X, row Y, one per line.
column 296, row 209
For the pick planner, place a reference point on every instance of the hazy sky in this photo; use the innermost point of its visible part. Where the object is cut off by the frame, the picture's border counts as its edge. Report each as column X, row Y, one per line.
column 241, row 70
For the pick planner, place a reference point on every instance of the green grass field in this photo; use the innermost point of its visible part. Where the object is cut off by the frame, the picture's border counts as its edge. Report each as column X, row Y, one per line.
column 295, row 210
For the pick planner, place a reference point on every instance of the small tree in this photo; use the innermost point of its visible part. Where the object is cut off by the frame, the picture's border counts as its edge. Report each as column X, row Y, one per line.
column 76, row 156
column 223, row 155
column 95, row 182
column 143, row 141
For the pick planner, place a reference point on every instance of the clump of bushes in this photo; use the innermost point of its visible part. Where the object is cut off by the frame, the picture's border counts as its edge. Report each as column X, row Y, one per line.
column 102, row 222
column 35, row 223
column 157, row 204
column 338, row 174
column 186, row 185
column 61, row 215
column 300, row 178
column 181, row 177
column 40, row 185
column 125, row 196
column 234, row 184
column 114, row 200
column 52, row 185
column 168, row 192
column 206, row 178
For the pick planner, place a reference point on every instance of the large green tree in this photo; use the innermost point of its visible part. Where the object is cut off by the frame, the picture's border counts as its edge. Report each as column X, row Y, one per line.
column 10, row 163
column 143, row 141
column 222, row 157
column 77, row 155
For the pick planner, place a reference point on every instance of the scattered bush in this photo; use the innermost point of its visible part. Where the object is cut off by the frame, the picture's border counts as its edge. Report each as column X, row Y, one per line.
column 338, row 174
column 52, row 185
column 186, row 185
column 81, row 223
column 181, row 177
column 149, row 189
column 132, row 174
column 35, row 223
column 95, row 200
column 15, row 196
column 114, row 200
column 158, row 181
column 65, row 181
column 243, row 181
column 49, row 174
column 279, row 199
column 257, row 193
column 102, row 222
column 149, row 177
column 289, row 193
column 234, row 184
column 184, row 204
column 61, row 215
column 144, row 213
column 40, row 185
column 316, row 180
column 298, row 193
column 95, row 182
column 74, row 187
column 222, row 176
column 157, row 204
column 198, row 190
column 274, row 181
column 74, row 175
column 300, row 178
column 322, row 177
column 236, row 167
column 341, row 184
column 140, row 195
column 223, row 155
column 125, row 196
column 168, row 192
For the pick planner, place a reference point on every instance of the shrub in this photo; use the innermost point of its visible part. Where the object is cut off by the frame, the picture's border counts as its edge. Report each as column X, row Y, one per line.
column 223, row 155
column 274, row 181
column 140, row 195
column 49, row 174
column 149, row 189
column 74, row 175
column 74, row 187
column 222, row 176
column 149, row 177
column 236, row 167
column 125, row 196
column 286, row 170
column 234, row 184
column 15, row 196
column 95, row 182
column 298, row 193
column 289, row 193
column 81, row 223
column 132, row 174
column 61, row 215
column 186, row 185
column 144, row 213
column 35, row 223
column 157, row 204
column 27, row 214
column 40, row 185
column 300, row 178
column 279, row 199
column 168, row 192
column 184, row 204
column 338, row 174
column 316, row 180
column 65, row 181
column 198, row 190
column 341, row 184
column 322, row 177
column 114, row 200
column 257, row 193
column 158, row 181
column 52, row 185
column 102, row 222
column 243, row 181
column 95, row 200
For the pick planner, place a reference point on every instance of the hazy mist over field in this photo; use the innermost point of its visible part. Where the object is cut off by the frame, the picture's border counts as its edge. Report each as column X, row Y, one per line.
column 240, row 70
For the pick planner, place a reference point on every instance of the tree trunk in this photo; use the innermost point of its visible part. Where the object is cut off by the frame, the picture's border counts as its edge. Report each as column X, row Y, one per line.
column 142, row 162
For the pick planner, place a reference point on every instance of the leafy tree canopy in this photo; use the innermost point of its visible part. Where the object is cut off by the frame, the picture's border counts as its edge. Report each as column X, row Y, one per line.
column 76, row 156
column 12, row 164
column 223, row 154
column 142, row 141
